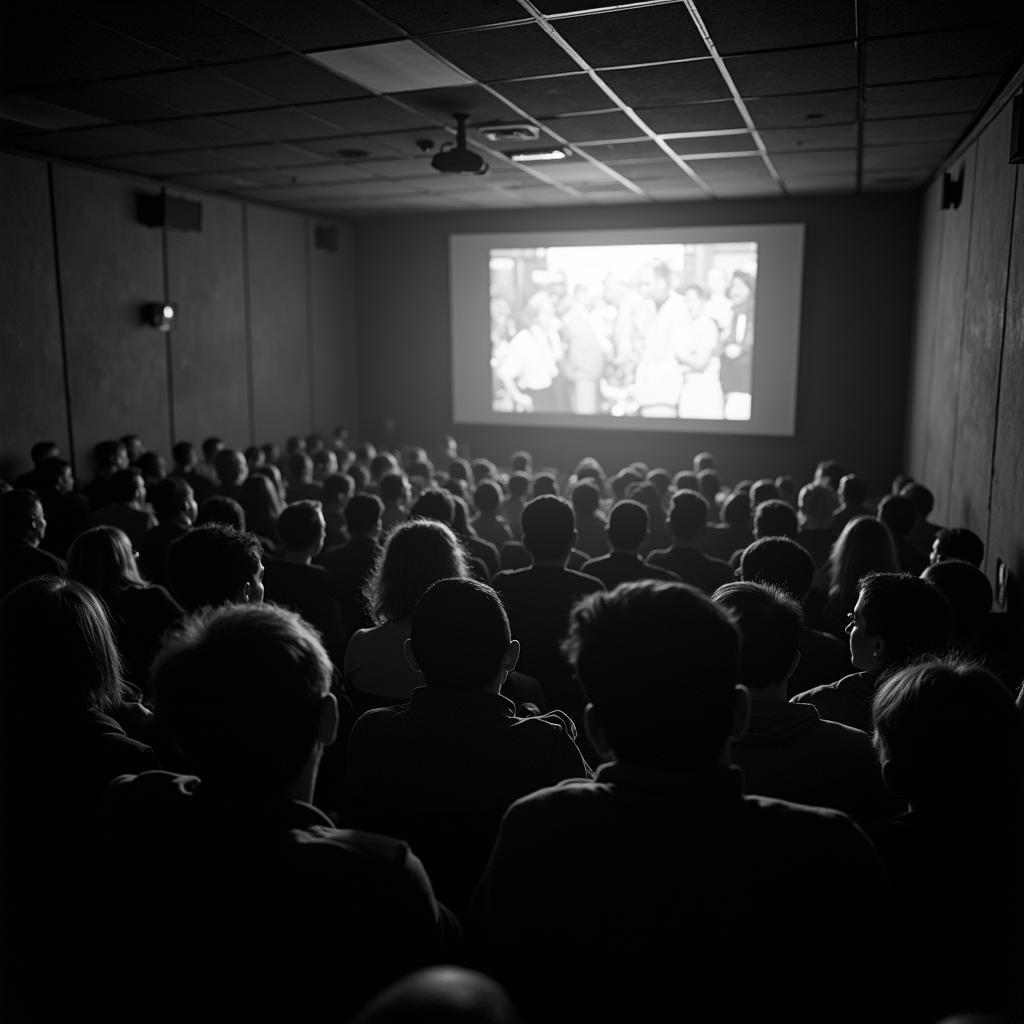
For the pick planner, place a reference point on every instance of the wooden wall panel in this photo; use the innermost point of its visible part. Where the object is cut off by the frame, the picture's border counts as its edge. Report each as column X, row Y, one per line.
column 110, row 266
column 278, row 305
column 32, row 406
column 1006, row 528
column 945, row 372
column 210, row 360
column 333, row 325
column 993, row 184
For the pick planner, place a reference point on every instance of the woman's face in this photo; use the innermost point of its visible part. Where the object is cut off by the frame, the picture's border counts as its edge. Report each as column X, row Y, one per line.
column 738, row 290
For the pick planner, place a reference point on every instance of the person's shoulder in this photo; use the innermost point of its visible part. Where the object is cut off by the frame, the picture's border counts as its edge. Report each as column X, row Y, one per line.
column 659, row 557
column 658, row 572
column 552, row 799
column 583, row 582
column 600, row 562
column 510, row 577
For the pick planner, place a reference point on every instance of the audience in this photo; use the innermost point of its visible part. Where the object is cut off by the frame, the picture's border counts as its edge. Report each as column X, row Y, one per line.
column 687, row 523
column 67, row 513
column 223, row 511
column 959, row 543
column 488, row 523
column 816, row 533
column 109, row 457
column 214, row 565
column 127, row 510
column 734, row 532
column 175, row 506
column 591, row 524
column 628, row 528
column 853, row 494
column 22, row 528
column 350, row 563
column 232, row 472
column 186, row 466
column 900, row 515
column 396, row 495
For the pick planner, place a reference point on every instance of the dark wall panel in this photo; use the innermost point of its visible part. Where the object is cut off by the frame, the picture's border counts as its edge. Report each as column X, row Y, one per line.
column 332, row 320
column 983, row 327
column 109, row 267
column 32, row 406
column 945, row 372
column 278, row 303
column 210, row 362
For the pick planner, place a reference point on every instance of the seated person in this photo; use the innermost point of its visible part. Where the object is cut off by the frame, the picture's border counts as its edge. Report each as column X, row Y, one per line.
column 538, row 599
column 293, row 581
column 687, row 523
column 817, row 532
column 853, row 496
column 960, row 543
column 591, row 524
column 152, row 466
column 441, row 771
column 338, row 488
column 186, row 466
column 788, row 751
column 175, row 506
column 764, row 490
column 108, row 458
column 922, row 534
column 232, row 472
column 896, row 619
column 900, row 515
column 772, row 518
column 254, row 882
column 660, row 865
column 350, row 565
column 207, row 467
column 519, row 483
column 396, row 495
column 128, row 510
column 222, row 510
column 628, row 527
column 301, row 485
column 213, row 565
column 442, row 505
column 782, row 563
column 950, row 742
column 478, row 549
column 22, row 527
column 67, row 513
column 40, row 451
column 734, row 532
column 488, row 524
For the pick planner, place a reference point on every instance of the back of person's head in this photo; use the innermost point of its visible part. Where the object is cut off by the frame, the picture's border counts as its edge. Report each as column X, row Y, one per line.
column 171, row 497
column 393, row 486
column 301, row 526
column 211, row 446
column 262, row 504
column 382, row 463
column 57, row 653
column 54, row 475
column 687, row 518
column 126, row 484
column 241, row 691
column 853, row 490
column 219, row 508
column 898, row 513
column 763, row 490
column 214, row 564
column 585, row 498
column 314, row 443
column 483, row 469
column 230, row 467
column 294, row 444
column 416, row 554
column 703, row 460
column 786, row 488
column 549, row 527
column 106, row 455
column 864, row 545
column 522, row 462
column 19, row 511
column 775, row 518
column 950, row 739
column 621, row 481
column 628, row 525
column 736, row 510
column 656, row 707
column 923, row 499
column 487, row 497
column 325, row 462
column 545, row 483
column 337, row 486
column 661, row 481
column 440, row 995
column 102, row 558
column 519, row 484
column 958, row 542
column 829, row 472
column 686, row 481
column 909, row 615
column 152, row 465
column 743, row 487
column 434, row 504
column 184, row 455
column 43, row 450
column 967, row 590
column 362, row 514
column 778, row 562
column 299, row 467
column 459, row 634
column 816, row 503
column 456, row 488
column 899, row 481
column 709, row 484
column 770, row 624
column 254, row 456
column 461, row 470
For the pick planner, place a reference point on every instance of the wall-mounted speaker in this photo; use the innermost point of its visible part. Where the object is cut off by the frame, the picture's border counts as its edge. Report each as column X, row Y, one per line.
column 1017, row 130
column 952, row 190
column 325, row 237
column 164, row 211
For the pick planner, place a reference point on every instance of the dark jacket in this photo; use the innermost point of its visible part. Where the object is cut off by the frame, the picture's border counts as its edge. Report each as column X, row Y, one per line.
column 847, row 701
column 693, row 567
column 620, row 567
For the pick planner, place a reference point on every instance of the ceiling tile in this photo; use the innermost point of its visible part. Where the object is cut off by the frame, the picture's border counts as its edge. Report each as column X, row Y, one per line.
column 278, row 123
column 311, row 24
column 411, row 168
column 889, row 181
column 743, row 26
column 578, row 173
column 791, row 71
column 836, row 107
column 713, row 144
column 158, row 165
column 370, row 115
column 557, row 7
column 269, row 155
column 915, row 156
column 195, row 91
column 334, row 146
column 614, row 152
column 730, row 168
column 644, row 35
column 719, row 115
column 826, row 161
column 594, row 127
column 107, row 101
column 952, row 96
column 668, row 85
column 647, row 170
column 418, row 16
column 814, row 136
column 26, row 71
column 747, row 188
column 290, row 79
column 491, row 55
column 940, row 55
column 561, row 94
column 215, row 160
column 201, row 131
column 887, row 18
column 326, row 173
column 113, row 140
column 820, row 183
column 443, row 104
column 947, row 127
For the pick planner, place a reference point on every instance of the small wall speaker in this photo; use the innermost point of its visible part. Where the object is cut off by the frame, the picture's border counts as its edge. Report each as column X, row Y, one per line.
column 325, row 237
column 164, row 211
column 952, row 190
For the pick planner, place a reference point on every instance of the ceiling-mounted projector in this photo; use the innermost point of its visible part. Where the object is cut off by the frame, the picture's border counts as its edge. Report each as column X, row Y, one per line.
column 455, row 158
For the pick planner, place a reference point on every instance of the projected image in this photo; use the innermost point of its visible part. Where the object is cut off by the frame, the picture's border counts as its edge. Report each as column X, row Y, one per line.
column 624, row 330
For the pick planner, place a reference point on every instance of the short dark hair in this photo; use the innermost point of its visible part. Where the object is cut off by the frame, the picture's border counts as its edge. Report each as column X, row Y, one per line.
column 210, row 446
column 219, row 508
column 487, row 496
column 684, row 480
column 657, row 708
column 459, row 633
column 16, row 509
column 170, row 497
column 830, row 471
column 211, row 564
column 709, row 484
column 898, row 513
column 545, row 483
column 853, row 490
column 183, row 452
column 628, row 524
column 298, row 466
column 522, row 462
column 770, row 624
column 923, row 499
column 703, row 460
column 338, row 485
column 549, row 526
column 959, row 542
column 240, row 689
column 300, row 525
column 125, row 483
column 775, row 518
column 230, row 466
column 910, row 614
column 687, row 519
column 661, row 480
column 105, row 454
column 362, row 513
column 967, row 590
column 382, row 463
column 585, row 498
column 779, row 562
column 392, row 485
column 518, row 484
column 736, row 509
column 43, row 450
column 763, row 490
column 434, row 504
column 49, row 471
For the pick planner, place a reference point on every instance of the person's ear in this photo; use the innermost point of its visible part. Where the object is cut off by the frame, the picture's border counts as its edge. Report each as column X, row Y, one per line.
column 327, row 731
column 740, row 713
column 595, row 733
column 511, row 656
column 410, row 657
column 794, row 665
column 894, row 779
column 878, row 650
column 246, row 592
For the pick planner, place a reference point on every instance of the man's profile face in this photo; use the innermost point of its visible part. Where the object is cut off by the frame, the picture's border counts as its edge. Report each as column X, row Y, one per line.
column 66, row 481
column 256, row 589
column 121, row 461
